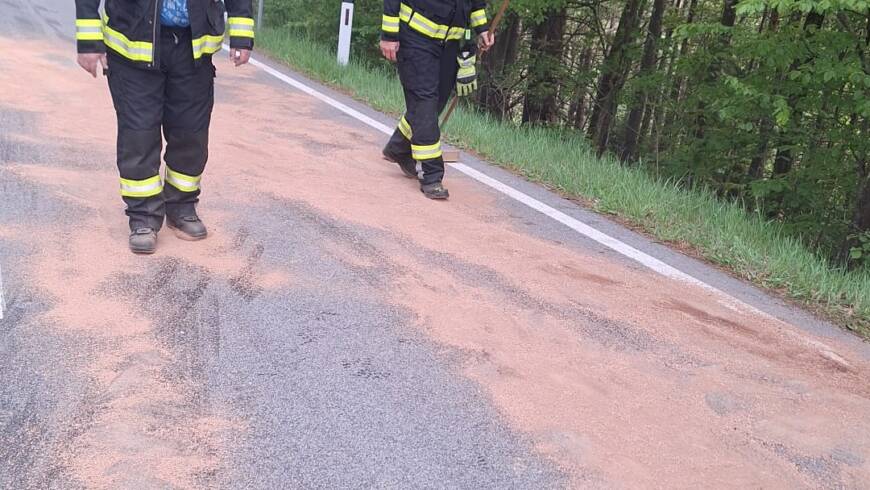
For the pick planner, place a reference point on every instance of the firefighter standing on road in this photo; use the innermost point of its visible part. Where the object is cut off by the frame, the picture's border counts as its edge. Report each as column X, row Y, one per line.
column 423, row 37
column 161, row 77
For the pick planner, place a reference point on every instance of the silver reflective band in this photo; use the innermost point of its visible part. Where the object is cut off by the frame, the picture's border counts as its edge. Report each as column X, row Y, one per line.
column 241, row 27
column 93, row 29
column 208, row 46
column 478, row 18
column 428, row 27
column 180, row 184
column 141, row 190
column 433, row 32
column 405, row 128
column 426, row 154
column 120, row 45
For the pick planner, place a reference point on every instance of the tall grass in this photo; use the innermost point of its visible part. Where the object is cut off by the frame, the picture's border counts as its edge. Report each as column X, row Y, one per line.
column 723, row 233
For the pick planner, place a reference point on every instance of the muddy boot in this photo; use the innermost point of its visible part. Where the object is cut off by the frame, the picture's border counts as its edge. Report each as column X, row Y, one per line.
column 188, row 228
column 143, row 241
column 406, row 163
column 434, row 191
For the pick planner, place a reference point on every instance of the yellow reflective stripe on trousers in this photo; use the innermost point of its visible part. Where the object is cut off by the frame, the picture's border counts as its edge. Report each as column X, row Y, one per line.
column 426, row 152
column 132, row 50
column 89, row 30
column 405, row 128
column 241, row 26
column 141, row 188
column 206, row 45
column 390, row 24
column 182, row 182
column 427, row 27
column 478, row 18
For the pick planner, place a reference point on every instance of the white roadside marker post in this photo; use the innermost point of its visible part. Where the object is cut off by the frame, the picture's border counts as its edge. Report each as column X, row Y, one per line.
column 345, row 29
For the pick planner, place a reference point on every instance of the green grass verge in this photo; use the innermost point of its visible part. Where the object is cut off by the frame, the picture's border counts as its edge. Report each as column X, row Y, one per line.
column 722, row 233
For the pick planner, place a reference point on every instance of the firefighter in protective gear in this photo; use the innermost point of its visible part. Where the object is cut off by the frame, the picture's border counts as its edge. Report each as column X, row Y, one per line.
column 424, row 37
column 157, row 57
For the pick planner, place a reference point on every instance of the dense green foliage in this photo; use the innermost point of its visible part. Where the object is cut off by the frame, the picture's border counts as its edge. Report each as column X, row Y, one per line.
column 764, row 102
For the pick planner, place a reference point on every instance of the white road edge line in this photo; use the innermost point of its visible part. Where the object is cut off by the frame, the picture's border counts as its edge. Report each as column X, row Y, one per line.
column 582, row 228
column 646, row 260
column 2, row 304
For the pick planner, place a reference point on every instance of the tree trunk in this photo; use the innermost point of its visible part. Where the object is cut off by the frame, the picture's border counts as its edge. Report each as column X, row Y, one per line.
column 546, row 50
column 580, row 112
column 861, row 214
column 654, row 121
column 756, row 166
column 613, row 76
column 493, row 95
column 677, row 88
column 861, row 217
column 784, row 160
column 729, row 15
column 647, row 67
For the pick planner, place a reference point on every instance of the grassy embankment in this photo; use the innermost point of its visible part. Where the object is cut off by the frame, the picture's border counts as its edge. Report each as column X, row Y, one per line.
column 723, row 233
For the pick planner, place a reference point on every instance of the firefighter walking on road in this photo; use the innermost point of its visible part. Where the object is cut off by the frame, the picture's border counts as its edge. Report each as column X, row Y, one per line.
column 429, row 41
column 157, row 56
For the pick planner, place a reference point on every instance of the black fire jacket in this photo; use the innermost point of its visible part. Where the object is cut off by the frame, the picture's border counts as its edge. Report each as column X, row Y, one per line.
column 131, row 28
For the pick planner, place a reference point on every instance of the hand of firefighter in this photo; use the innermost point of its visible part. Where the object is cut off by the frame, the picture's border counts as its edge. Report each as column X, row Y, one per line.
column 91, row 62
column 485, row 40
column 240, row 56
column 466, row 77
column 390, row 49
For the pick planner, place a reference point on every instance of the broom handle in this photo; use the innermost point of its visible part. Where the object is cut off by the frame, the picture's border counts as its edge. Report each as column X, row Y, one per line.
column 492, row 28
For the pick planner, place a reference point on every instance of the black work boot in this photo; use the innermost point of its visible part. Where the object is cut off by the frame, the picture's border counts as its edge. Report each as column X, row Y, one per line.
column 434, row 191
column 143, row 241
column 406, row 163
column 188, row 228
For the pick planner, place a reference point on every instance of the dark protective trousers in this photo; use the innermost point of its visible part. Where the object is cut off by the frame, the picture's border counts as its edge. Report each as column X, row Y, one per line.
column 427, row 70
column 177, row 99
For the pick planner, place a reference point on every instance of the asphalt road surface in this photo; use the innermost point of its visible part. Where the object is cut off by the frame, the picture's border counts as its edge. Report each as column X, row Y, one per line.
column 338, row 330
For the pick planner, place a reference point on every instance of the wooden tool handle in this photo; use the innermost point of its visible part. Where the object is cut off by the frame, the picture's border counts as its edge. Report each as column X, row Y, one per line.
column 492, row 28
